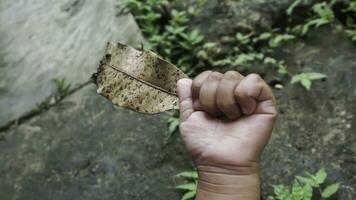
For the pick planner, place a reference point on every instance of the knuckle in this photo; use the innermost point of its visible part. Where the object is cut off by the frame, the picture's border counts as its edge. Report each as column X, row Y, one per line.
column 201, row 77
column 231, row 74
column 215, row 76
column 254, row 77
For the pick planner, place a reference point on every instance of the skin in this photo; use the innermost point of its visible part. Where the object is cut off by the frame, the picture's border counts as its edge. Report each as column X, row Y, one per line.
column 226, row 121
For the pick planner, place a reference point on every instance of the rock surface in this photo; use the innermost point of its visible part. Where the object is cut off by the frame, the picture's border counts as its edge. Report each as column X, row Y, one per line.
column 317, row 128
column 84, row 148
column 42, row 40
column 225, row 18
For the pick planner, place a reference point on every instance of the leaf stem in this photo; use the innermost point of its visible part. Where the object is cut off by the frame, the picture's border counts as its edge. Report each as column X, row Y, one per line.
column 140, row 80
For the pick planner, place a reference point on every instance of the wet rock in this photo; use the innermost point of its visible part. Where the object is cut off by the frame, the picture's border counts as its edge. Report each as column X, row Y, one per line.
column 42, row 40
column 84, row 148
column 220, row 18
column 317, row 128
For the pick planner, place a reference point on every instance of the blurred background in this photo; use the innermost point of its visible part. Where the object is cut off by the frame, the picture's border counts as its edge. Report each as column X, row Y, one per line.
column 60, row 140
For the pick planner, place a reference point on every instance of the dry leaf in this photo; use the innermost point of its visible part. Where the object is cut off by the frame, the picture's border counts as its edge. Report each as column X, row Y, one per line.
column 138, row 80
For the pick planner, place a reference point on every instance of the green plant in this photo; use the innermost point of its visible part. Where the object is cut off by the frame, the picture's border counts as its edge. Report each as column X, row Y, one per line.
column 173, row 124
column 324, row 15
column 352, row 34
column 254, row 48
column 303, row 187
column 280, row 39
column 62, row 86
column 167, row 31
column 350, row 25
column 291, row 8
column 190, row 188
column 44, row 105
column 306, row 79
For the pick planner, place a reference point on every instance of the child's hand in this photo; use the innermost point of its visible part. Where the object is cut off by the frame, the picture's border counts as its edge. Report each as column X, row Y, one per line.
column 226, row 121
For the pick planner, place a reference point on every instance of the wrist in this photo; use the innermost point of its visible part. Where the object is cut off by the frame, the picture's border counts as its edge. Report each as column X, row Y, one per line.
column 228, row 183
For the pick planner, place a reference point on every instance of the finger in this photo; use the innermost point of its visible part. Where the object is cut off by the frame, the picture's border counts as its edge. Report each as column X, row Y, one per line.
column 207, row 94
column 255, row 96
column 225, row 98
column 185, row 98
column 196, row 86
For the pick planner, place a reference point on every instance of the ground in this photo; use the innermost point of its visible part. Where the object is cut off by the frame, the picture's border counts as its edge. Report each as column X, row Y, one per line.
column 84, row 148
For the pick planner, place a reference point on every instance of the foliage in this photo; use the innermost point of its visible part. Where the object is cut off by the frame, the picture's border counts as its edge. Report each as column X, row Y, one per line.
column 173, row 124
column 303, row 187
column 254, row 48
column 322, row 13
column 352, row 34
column 62, row 86
column 167, row 31
column 350, row 25
column 190, row 188
column 291, row 8
column 306, row 79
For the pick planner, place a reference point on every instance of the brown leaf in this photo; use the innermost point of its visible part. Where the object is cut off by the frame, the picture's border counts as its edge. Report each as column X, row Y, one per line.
column 138, row 80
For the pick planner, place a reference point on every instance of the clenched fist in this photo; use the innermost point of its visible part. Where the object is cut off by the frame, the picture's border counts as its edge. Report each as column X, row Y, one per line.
column 226, row 121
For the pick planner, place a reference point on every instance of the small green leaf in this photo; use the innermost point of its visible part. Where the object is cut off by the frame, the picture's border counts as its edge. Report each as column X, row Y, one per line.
column 307, row 192
column 210, row 45
column 330, row 190
column 189, row 174
column 244, row 39
column 280, row 39
column 189, row 195
column 222, row 62
column 305, row 28
column 297, row 191
column 297, row 78
column 269, row 60
column 321, row 176
column 306, row 83
column 265, row 36
column 282, row 192
column 315, row 76
column 188, row 186
column 324, row 11
column 173, row 124
column 292, row 6
column 306, row 78
column 307, row 181
column 282, row 69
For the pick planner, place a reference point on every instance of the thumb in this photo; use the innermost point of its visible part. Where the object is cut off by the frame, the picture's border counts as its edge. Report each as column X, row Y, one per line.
column 185, row 98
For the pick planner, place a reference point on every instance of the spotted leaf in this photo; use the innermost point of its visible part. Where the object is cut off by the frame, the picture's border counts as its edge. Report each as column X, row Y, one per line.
column 137, row 80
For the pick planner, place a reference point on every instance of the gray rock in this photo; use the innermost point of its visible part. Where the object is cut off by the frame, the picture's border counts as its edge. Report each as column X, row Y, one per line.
column 225, row 17
column 84, row 148
column 317, row 128
column 42, row 40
